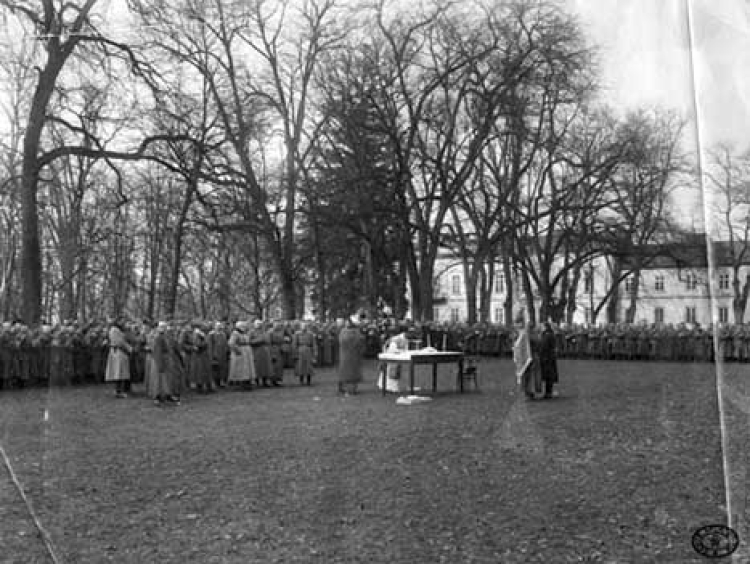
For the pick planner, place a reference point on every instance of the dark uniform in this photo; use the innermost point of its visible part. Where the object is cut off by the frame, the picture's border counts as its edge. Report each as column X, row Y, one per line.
column 548, row 360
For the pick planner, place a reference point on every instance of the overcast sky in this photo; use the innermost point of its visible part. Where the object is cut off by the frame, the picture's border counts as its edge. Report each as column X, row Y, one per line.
column 645, row 46
column 646, row 60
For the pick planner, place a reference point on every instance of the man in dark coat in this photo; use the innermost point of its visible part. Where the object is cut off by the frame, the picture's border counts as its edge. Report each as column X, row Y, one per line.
column 219, row 353
column 352, row 348
column 548, row 359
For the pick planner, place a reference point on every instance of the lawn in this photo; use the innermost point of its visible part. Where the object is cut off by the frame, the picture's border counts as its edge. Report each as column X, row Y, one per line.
column 622, row 467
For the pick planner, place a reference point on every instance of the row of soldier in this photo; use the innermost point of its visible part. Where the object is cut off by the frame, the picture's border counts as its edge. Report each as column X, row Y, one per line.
column 70, row 353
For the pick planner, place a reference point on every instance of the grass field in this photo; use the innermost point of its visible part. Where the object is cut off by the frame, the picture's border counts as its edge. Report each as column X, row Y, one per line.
column 622, row 467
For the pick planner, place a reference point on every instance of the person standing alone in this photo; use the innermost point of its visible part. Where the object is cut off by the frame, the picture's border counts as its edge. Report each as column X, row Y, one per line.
column 118, row 361
column 526, row 359
column 548, row 360
column 303, row 347
column 351, row 347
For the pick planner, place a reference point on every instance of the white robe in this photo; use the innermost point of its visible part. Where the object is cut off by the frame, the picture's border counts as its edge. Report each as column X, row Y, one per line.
column 394, row 382
column 118, row 361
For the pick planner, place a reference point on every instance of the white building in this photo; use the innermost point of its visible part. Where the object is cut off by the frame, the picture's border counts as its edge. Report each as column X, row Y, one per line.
column 677, row 286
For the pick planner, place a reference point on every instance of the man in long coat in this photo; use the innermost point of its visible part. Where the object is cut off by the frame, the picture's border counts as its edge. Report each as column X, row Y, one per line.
column 259, row 341
column 276, row 340
column 166, row 365
column 219, row 354
column 241, row 363
column 548, row 359
column 200, row 367
column 118, row 361
column 351, row 349
column 527, row 366
column 303, row 347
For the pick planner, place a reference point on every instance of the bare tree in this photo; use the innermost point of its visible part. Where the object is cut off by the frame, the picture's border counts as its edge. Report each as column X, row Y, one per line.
column 67, row 30
column 533, row 40
column 729, row 174
column 17, row 79
column 641, row 187
column 258, row 61
column 564, row 160
column 438, row 101
column 291, row 47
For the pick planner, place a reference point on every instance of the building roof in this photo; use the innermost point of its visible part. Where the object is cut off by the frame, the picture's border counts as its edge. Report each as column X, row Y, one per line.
column 694, row 254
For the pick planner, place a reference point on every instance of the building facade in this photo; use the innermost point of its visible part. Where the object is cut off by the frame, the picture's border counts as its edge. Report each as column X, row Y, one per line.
column 674, row 288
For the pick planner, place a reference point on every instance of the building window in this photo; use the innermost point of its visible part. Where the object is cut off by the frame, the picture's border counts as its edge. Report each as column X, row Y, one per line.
column 500, row 283
column 659, row 282
column 454, row 315
column 455, row 284
column 498, row 315
column 723, row 315
column 436, row 314
column 588, row 282
column 630, row 285
column 724, row 281
column 691, row 281
column 659, row 315
column 436, row 286
column 690, row 314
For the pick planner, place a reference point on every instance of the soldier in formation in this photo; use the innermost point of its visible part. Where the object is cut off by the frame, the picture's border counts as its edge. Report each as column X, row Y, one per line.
column 205, row 356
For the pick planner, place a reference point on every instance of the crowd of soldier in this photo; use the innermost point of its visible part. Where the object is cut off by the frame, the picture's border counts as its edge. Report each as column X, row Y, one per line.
column 676, row 343
column 74, row 353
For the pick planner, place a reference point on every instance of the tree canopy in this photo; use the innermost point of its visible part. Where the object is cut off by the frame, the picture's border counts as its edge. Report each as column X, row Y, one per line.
column 218, row 158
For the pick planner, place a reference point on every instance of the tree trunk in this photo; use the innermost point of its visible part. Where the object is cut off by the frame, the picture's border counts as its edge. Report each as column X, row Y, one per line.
column 487, row 289
column 425, row 292
column 401, row 304
column 509, row 288
column 321, row 291
column 529, row 293
column 572, row 303
column 470, row 287
column 67, row 272
column 633, row 306
column 153, row 276
column 289, row 297
column 369, row 277
column 546, row 303
column 740, row 298
column 414, row 282
column 179, row 237
column 170, row 304
column 613, row 304
column 558, row 305
column 31, row 251
column 202, row 305
column 225, row 279
column 288, row 282
column 6, row 279
column 421, row 278
column 257, row 289
column 120, row 273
